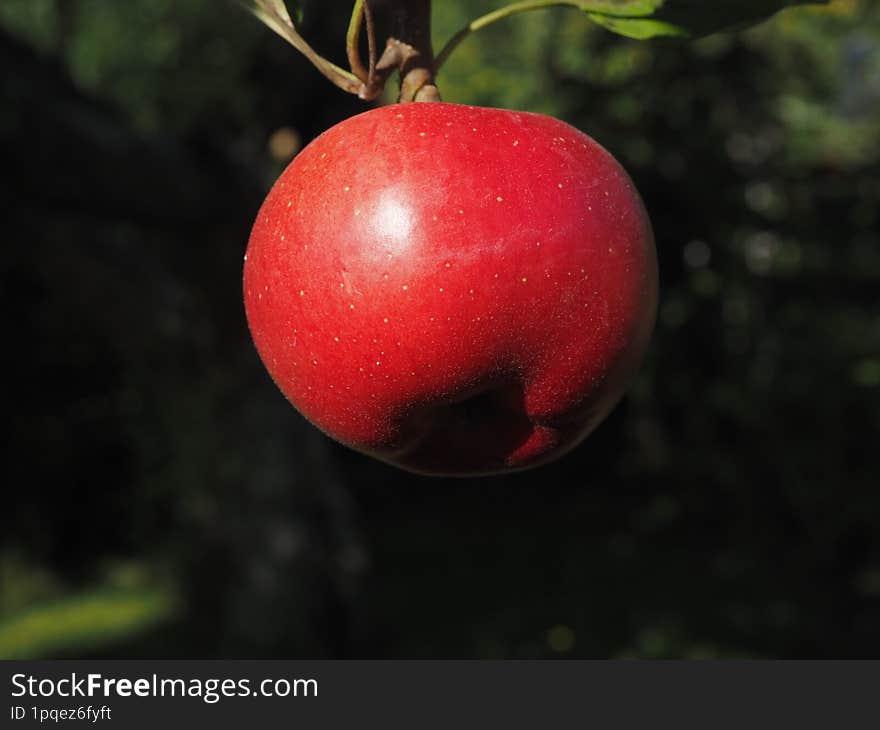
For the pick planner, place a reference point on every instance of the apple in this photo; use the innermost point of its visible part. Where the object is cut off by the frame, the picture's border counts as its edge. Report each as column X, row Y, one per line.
column 455, row 290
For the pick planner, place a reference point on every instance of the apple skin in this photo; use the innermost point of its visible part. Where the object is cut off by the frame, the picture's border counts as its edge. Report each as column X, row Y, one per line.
column 454, row 290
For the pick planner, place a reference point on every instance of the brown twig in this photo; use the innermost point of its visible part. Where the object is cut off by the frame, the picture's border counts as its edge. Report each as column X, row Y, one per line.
column 352, row 42
column 371, row 41
column 412, row 30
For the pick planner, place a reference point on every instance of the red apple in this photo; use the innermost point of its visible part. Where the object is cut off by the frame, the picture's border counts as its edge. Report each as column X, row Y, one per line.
column 452, row 289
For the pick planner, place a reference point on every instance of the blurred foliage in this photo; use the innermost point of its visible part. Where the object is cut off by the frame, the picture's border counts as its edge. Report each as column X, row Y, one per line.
column 80, row 622
column 728, row 508
column 38, row 618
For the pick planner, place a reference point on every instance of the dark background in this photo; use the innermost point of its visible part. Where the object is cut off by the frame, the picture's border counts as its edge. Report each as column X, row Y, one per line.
column 161, row 498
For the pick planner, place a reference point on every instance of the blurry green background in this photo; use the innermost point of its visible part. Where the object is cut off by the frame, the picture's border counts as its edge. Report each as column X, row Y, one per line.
column 163, row 500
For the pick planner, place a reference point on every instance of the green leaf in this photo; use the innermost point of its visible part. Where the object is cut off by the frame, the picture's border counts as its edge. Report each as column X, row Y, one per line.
column 638, row 28
column 643, row 19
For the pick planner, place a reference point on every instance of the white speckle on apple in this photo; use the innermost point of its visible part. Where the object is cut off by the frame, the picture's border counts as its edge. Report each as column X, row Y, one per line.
column 515, row 142
column 404, row 287
column 499, row 199
column 302, row 292
column 524, row 280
